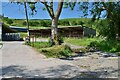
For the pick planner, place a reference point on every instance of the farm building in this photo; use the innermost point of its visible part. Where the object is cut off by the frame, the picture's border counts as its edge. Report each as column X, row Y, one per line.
column 8, row 34
column 66, row 31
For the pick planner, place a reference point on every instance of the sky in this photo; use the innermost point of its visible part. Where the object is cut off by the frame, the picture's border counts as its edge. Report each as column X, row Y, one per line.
column 16, row 11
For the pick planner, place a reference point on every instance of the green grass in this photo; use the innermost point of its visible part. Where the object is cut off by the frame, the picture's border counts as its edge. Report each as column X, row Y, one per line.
column 23, row 34
column 100, row 44
column 59, row 51
column 38, row 45
column 81, row 41
column 107, row 45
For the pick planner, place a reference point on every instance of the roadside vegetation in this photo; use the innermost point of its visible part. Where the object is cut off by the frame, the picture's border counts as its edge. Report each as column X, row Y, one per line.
column 107, row 46
column 81, row 41
column 64, row 51
column 97, row 43
column 59, row 51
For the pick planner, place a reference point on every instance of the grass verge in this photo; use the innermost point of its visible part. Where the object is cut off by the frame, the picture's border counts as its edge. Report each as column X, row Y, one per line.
column 38, row 45
column 81, row 41
column 100, row 44
column 107, row 45
column 59, row 51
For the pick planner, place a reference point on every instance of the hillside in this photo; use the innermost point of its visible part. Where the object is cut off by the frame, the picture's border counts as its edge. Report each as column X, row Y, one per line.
column 38, row 23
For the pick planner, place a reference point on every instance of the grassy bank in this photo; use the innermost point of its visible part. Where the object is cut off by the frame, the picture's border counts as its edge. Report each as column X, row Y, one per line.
column 101, row 44
column 81, row 42
column 60, row 51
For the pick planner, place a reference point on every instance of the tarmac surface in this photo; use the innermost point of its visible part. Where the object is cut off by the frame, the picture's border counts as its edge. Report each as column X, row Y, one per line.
column 19, row 60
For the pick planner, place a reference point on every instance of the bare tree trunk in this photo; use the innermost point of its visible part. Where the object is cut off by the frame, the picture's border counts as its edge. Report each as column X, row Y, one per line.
column 54, row 32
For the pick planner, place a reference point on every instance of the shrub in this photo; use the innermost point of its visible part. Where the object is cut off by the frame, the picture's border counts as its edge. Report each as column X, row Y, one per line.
column 64, row 22
column 61, row 40
column 93, row 44
column 73, row 23
column 106, row 45
column 59, row 51
column 9, row 21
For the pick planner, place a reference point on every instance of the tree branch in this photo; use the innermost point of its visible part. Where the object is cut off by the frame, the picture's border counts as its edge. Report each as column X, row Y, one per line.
column 51, row 8
column 48, row 8
column 109, row 12
column 59, row 9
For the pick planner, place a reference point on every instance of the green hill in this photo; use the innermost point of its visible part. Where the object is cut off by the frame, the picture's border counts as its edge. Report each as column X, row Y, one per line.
column 40, row 23
column 36, row 23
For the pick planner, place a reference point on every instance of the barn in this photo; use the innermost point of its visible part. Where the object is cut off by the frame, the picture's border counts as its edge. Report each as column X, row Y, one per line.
column 66, row 31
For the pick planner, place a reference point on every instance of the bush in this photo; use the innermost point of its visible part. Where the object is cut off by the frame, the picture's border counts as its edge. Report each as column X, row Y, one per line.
column 93, row 44
column 60, row 51
column 31, row 23
column 64, row 22
column 9, row 21
column 73, row 23
column 80, row 23
column 45, row 23
column 106, row 45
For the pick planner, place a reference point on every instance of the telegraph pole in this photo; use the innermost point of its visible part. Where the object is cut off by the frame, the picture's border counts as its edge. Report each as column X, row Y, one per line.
column 27, row 24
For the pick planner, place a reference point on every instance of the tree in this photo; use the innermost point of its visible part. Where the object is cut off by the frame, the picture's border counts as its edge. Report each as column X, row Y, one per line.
column 55, row 17
column 53, row 14
column 108, row 11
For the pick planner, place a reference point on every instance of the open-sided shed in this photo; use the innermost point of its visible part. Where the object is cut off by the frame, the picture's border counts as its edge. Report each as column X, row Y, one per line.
column 66, row 31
